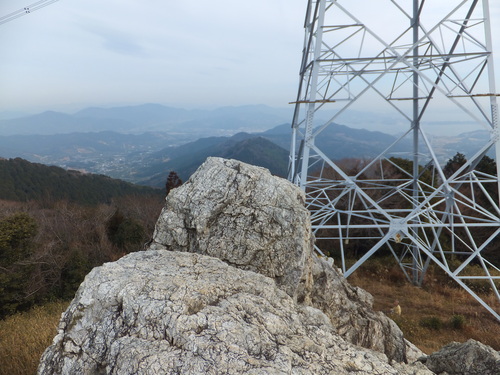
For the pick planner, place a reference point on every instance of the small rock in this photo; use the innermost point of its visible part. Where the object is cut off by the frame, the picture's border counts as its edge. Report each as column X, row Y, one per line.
column 468, row 358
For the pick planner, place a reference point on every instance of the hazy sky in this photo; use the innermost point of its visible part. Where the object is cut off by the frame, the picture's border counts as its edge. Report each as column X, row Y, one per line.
column 191, row 54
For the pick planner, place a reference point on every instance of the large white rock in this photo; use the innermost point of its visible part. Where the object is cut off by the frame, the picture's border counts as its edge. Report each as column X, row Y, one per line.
column 239, row 292
column 158, row 312
column 244, row 216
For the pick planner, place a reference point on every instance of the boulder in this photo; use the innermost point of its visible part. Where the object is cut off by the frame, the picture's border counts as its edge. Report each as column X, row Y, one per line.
column 244, row 216
column 239, row 291
column 159, row 312
column 468, row 358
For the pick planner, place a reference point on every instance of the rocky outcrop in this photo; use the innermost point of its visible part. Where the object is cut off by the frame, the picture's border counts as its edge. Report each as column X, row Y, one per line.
column 254, row 221
column 468, row 358
column 159, row 312
column 229, row 285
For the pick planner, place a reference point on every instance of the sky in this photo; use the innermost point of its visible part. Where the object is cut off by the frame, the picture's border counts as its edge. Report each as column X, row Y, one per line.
column 190, row 54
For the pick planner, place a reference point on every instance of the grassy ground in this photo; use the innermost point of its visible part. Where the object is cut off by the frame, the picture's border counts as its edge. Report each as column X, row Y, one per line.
column 434, row 315
column 24, row 337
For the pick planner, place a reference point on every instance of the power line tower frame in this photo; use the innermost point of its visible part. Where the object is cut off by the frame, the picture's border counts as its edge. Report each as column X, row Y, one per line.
column 416, row 62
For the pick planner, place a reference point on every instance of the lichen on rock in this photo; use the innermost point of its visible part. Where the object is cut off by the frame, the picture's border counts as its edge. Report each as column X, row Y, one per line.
column 242, row 215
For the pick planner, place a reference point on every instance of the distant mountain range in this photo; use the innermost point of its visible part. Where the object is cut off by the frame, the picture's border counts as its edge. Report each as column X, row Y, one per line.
column 141, row 144
column 143, row 158
column 150, row 118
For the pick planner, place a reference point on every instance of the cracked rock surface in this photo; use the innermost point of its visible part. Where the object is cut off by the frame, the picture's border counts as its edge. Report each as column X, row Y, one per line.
column 242, row 215
column 158, row 312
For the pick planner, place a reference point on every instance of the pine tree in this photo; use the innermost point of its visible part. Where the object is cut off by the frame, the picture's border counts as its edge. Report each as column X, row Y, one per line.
column 173, row 181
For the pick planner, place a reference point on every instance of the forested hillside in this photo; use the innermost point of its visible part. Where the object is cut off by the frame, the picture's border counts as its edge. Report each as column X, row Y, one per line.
column 56, row 225
column 46, row 251
column 23, row 181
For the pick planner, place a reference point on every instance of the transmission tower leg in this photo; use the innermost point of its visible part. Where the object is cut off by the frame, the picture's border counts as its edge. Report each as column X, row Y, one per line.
column 416, row 132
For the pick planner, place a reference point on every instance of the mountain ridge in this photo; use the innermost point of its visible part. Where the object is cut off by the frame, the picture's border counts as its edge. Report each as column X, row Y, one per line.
column 130, row 156
column 148, row 117
column 126, row 142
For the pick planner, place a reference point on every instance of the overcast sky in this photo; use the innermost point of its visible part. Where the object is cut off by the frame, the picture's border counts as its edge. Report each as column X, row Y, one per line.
column 191, row 54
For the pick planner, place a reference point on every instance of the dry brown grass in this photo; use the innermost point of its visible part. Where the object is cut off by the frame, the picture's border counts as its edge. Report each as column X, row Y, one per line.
column 428, row 313
column 24, row 337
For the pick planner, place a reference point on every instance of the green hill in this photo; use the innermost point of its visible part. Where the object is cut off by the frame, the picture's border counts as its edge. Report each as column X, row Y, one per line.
column 23, row 181
column 187, row 158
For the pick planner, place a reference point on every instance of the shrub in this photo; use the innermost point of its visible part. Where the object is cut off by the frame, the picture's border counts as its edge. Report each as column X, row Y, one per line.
column 431, row 322
column 173, row 181
column 16, row 246
column 124, row 232
column 457, row 321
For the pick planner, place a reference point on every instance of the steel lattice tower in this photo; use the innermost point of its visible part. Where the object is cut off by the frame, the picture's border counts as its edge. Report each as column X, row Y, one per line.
column 416, row 63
